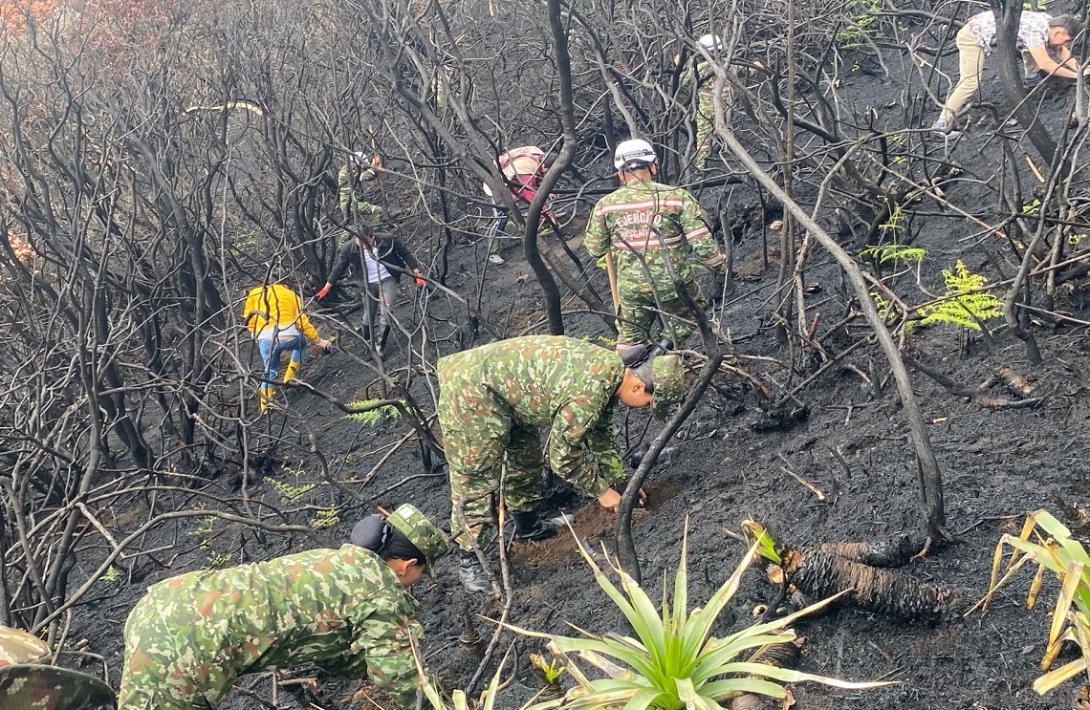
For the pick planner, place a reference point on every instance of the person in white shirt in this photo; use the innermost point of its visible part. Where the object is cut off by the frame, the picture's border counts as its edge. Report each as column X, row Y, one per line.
column 378, row 261
column 1037, row 33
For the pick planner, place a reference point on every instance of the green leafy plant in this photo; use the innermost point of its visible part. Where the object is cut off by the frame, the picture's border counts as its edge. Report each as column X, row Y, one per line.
column 218, row 559
column 111, row 575
column 372, row 416
column 893, row 253
column 1032, row 208
column 326, row 518
column 290, row 487
column 291, row 491
column 1049, row 544
column 550, row 669
column 205, row 532
column 964, row 304
column 674, row 662
column 862, row 27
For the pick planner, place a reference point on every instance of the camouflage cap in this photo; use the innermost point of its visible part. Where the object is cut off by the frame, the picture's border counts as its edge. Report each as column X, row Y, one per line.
column 668, row 375
column 420, row 531
column 20, row 647
column 35, row 686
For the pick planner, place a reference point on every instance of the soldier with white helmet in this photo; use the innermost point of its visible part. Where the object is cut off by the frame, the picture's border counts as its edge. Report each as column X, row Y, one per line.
column 701, row 77
column 648, row 228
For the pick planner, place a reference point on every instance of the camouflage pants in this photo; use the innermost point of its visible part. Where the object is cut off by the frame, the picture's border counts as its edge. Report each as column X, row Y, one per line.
column 705, row 130
column 476, row 436
column 639, row 311
column 163, row 670
column 705, row 127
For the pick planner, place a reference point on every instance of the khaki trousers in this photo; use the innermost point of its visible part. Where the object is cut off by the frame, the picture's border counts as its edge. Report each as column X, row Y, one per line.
column 970, row 67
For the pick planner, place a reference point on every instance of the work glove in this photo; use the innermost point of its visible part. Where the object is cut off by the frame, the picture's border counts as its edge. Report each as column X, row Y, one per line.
column 323, row 292
column 419, row 278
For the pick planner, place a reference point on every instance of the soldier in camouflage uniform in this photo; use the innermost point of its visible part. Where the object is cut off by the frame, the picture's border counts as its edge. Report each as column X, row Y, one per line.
column 345, row 611
column 352, row 182
column 493, row 399
column 650, row 228
column 701, row 78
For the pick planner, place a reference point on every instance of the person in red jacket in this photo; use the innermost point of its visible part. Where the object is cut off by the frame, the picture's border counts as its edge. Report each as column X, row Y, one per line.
column 522, row 169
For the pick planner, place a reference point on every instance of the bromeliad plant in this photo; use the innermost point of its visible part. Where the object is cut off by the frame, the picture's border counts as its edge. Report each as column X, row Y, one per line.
column 674, row 662
column 1049, row 544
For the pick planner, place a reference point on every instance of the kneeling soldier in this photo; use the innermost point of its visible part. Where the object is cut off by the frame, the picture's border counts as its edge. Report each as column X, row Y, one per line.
column 345, row 611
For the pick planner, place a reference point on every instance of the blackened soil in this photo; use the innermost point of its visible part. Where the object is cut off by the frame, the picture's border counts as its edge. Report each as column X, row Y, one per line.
column 997, row 465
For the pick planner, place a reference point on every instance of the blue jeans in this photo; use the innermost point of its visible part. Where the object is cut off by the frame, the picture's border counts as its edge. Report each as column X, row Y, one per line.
column 272, row 349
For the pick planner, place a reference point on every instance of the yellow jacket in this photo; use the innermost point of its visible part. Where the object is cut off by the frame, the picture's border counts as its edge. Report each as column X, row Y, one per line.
column 276, row 305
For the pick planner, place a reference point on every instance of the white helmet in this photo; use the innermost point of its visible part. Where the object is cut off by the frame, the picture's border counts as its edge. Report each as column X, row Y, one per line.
column 359, row 158
column 633, row 154
column 711, row 42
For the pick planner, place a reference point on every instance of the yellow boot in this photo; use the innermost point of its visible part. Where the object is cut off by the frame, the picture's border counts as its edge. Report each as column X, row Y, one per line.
column 264, row 397
column 290, row 370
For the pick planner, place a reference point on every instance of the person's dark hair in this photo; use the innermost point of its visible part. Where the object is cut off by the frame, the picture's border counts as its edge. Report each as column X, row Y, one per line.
column 386, row 541
column 1068, row 22
column 365, row 234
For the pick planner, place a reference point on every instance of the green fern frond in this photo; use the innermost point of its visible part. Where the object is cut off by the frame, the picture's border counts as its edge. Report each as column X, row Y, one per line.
column 291, row 491
column 372, row 416
column 887, row 253
column 964, row 310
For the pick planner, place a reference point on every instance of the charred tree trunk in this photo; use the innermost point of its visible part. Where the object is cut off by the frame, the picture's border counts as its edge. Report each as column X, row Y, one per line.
column 780, row 655
column 820, row 575
column 533, row 215
column 1008, row 14
column 930, row 479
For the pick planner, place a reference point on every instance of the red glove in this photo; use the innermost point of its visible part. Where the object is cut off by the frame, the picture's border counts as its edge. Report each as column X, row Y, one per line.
column 323, row 292
column 421, row 282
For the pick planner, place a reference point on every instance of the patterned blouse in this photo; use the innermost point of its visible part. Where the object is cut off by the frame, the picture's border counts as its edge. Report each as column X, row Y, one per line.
column 1032, row 30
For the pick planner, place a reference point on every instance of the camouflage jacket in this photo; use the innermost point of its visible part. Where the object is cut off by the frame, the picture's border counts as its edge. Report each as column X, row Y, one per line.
column 341, row 610
column 351, row 188
column 701, row 78
column 544, row 380
column 646, row 221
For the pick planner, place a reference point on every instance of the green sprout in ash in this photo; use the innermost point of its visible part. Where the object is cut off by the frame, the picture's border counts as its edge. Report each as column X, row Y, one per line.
column 292, row 489
column 863, row 27
column 965, row 304
column 371, row 417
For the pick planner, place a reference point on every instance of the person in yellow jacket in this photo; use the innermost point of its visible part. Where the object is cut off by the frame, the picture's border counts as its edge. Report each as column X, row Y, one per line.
column 273, row 314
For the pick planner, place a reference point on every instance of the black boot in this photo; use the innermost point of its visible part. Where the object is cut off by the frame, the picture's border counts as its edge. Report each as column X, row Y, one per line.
column 383, row 335
column 470, row 573
column 529, row 526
